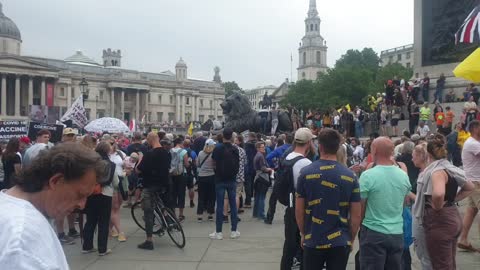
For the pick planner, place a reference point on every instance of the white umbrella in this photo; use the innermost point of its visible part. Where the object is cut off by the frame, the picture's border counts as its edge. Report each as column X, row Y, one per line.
column 107, row 124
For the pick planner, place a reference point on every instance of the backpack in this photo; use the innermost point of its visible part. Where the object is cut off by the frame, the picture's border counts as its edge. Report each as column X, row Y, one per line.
column 284, row 180
column 98, row 187
column 176, row 166
column 230, row 165
column 192, row 169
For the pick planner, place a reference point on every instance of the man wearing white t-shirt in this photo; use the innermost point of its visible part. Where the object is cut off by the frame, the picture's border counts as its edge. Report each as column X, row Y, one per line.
column 302, row 145
column 423, row 130
column 471, row 163
column 56, row 183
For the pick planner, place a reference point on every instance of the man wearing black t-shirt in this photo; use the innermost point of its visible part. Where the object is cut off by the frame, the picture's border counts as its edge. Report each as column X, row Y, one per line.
column 136, row 146
column 154, row 167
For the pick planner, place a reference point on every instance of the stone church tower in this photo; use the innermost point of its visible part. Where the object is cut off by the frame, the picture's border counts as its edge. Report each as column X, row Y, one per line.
column 313, row 48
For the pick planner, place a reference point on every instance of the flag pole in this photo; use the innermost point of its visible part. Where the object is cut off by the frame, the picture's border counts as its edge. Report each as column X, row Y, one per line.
column 291, row 67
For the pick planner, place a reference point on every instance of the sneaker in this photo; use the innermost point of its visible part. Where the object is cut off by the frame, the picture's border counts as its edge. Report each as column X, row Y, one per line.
column 192, row 204
column 73, row 233
column 181, row 218
column 216, row 236
column 234, row 234
column 122, row 237
column 210, row 218
column 89, row 251
column 199, row 220
column 148, row 245
column 225, row 219
column 108, row 251
column 65, row 240
column 114, row 234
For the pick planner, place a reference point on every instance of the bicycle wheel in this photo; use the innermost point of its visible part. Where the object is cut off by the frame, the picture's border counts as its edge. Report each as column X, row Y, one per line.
column 139, row 218
column 174, row 229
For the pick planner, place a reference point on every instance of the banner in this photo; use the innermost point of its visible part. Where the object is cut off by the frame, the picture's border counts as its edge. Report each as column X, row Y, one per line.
column 12, row 129
column 56, row 130
column 76, row 113
column 50, row 94
column 44, row 114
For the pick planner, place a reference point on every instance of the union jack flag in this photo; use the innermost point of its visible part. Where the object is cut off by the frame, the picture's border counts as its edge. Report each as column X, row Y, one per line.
column 469, row 32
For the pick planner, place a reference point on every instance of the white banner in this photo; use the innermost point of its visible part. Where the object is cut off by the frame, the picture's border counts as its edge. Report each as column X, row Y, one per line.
column 76, row 113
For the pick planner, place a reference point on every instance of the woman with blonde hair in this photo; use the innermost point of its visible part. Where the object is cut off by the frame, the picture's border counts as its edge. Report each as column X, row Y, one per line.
column 206, row 181
column 439, row 187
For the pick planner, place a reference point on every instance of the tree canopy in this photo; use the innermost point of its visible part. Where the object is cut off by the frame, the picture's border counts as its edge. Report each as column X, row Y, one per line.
column 355, row 75
column 231, row 87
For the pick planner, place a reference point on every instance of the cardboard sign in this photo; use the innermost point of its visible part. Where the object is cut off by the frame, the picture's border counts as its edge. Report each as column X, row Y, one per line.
column 56, row 130
column 12, row 129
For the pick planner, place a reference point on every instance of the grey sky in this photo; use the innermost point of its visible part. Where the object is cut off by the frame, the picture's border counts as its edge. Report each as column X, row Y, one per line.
column 251, row 40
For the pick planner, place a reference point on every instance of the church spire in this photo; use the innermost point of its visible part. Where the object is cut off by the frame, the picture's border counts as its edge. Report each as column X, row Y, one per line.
column 312, row 11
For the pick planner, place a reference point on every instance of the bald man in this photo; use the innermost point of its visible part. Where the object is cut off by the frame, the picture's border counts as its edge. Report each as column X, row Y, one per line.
column 383, row 189
column 154, row 167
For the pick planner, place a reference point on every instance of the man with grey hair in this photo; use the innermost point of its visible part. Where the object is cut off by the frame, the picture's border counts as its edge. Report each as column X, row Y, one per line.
column 199, row 142
column 56, row 183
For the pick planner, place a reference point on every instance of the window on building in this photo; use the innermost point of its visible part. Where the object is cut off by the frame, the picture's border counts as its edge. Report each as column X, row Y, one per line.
column 311, row 27
column 100, row 113
column 187, row 101
column 316, row 27
column 211, row 117
column 409, row 55
column 87, row 113
column 303, row 75
column 399, row 57
column 62, row 92
column 160, row 99
column 171, row 100
column 409, row 65
column 126, row 97
column 319, row 56
column 171, row 116
column 201, row 103
column 390, row 59
column 201, row 118
column 159, row 116
column 149, row 98
column 304, row 58
column 72, row 90
column 211, row 104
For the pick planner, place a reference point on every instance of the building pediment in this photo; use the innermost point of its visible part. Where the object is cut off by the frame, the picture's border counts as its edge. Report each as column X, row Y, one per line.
column 21, row 63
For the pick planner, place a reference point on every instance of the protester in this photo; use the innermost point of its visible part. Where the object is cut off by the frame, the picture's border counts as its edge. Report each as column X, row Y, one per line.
column 136, row 146
column 12, row 162
column 117, row 157
column 41, row 143
column 99, row 205
column 438, row 189
column 328, row 211
column 227, row 164
column 206, row 181
column 262, row 181
column 381, row 235
column 251, row 151
column 178, row 174
column 56, row 183
column 155, row 169
column 425, row 114
column 423, row 130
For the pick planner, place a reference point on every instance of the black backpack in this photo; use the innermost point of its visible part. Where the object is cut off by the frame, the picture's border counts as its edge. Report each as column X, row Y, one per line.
column 284, row 180
column 229, row 166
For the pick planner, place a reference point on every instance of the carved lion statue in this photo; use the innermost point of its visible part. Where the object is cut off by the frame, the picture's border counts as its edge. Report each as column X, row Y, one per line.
column 240, row 116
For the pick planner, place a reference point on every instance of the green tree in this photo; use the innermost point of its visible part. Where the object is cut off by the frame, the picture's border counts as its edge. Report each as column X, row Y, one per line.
column 231, row 87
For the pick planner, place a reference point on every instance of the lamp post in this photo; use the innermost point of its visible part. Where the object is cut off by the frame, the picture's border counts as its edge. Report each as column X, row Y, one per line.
column 84, row 88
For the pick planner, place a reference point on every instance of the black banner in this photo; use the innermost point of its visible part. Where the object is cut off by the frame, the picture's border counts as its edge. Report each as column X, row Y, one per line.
column 12, row 129
column 56, row 131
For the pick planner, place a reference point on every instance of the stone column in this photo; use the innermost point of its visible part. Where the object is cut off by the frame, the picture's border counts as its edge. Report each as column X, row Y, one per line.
column 197, row 107
column 183, row 109
column 30, row 90
column 122, row 104
column 69, row 95
column 137, row 106
column 194, row 104
column 112, row 102
column 179, row 119
column 215, row 108
column 4, row 95
column 43, row 92
column 17, row 95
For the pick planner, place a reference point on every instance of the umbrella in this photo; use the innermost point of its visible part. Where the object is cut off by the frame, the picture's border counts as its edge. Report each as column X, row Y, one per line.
column 107, row 124
column 469, row 69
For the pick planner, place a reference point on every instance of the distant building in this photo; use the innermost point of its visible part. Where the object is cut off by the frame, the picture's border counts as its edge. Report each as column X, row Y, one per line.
column 313, row 48
column 402, row 55
column 280, row 93
column 256, row 95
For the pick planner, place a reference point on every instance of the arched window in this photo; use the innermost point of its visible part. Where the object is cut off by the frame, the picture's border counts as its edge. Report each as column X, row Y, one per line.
column 304, row 58
column 311, row 27
column 113, row 63
column 316, row 27
column 318, row 57
column 303, row 75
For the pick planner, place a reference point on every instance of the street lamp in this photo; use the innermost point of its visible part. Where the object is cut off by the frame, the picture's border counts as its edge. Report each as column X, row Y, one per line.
column 84, row 88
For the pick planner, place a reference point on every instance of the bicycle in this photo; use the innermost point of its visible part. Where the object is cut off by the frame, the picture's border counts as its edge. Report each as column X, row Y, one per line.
column 164, row 220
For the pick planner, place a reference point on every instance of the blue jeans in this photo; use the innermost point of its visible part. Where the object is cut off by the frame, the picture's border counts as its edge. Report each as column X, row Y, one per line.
column 259, row 205
column 439, row 94
column 358, row 129
column 231, row 188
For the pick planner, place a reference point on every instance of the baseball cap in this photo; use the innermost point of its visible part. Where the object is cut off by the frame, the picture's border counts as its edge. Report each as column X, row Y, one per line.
column 210, row 142
column 69, row 131
column 304, row 135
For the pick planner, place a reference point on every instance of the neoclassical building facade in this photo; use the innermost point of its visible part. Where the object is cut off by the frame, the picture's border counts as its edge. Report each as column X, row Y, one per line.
column 112, row 90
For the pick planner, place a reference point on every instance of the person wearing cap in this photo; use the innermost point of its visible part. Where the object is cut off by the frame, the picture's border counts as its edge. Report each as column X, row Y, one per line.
column 302, row 145
column 327, row 207
column 24, row 145
column 206, row 181
column 69, row 135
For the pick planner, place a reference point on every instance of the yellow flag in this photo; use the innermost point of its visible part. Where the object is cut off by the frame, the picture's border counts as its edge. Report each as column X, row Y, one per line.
column 348, row 107
column 470, row 67
column 190, row 129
